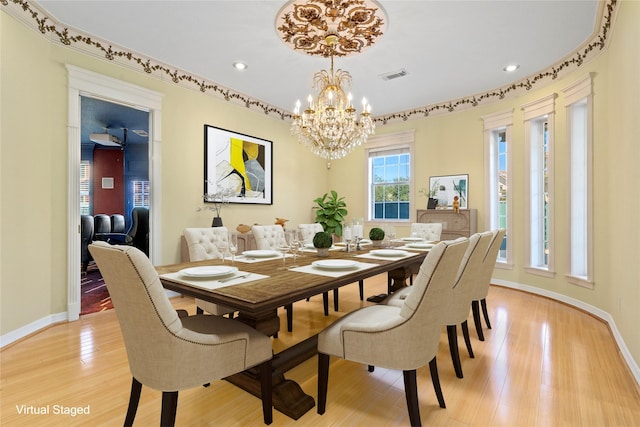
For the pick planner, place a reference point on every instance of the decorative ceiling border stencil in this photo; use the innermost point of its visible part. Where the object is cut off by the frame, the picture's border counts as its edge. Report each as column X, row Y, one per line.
column 592, row 48
column 38, row 20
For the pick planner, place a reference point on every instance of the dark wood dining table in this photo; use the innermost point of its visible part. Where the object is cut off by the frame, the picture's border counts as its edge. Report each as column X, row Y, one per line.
column 257, row 302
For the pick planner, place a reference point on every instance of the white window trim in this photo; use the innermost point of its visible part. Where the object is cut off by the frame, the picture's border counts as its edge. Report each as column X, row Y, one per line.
column 404, row 139
column 533, row 111
column 496, row 121
column 574, row 93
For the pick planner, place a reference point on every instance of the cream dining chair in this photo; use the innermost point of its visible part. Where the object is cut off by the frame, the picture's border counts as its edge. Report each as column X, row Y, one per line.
column 392, row 337
column 480, row 291
column 267, row 237
column 431, row 231
column 171, row 353
column 202, row 244
column 428, row 230
column 460, row 295
column 308, row 231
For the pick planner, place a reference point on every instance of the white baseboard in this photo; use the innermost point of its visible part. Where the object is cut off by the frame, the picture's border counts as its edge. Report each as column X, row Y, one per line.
column 32, row 327
column 626, row 354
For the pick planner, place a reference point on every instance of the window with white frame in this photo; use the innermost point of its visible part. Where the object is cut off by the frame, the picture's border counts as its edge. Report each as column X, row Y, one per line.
column 390, row 177
column 140, row 194
column 85, row 187
column 578, row 104
column 538, row 134
column 497, row 134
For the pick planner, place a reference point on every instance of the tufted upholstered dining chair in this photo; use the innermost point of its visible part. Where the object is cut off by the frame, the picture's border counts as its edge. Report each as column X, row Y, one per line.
column 202, row 245
column 481, row 289
column 171, row 353
column 460, row 295
column 387, row 336
column 430, row 230
column 266, row 237
column 308, row 231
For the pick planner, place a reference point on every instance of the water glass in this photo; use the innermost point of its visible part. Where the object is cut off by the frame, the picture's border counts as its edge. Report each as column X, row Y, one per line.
column 233, row 246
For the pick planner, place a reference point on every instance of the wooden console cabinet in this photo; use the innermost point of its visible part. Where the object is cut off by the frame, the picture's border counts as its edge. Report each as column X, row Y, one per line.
column 454, row 225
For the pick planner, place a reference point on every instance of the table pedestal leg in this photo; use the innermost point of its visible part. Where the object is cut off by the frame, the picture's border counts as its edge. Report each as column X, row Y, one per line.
column 288, row 396
column 398, row 278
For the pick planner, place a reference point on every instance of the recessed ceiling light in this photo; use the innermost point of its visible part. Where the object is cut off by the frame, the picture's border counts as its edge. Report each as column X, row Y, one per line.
column 240, row 66
column 511, row 68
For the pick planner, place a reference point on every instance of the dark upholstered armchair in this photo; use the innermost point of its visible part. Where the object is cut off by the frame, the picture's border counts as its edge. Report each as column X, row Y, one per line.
column 86, row 237
column 117, row 223
column 138, row 234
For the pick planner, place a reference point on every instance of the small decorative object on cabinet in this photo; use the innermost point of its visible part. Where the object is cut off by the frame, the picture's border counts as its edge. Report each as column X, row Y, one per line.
column 454, row 224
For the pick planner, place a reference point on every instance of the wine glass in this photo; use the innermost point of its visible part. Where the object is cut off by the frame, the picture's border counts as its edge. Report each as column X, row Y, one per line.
column 390, row 234
column 283, row 246
column 301, row 243
column 233, row 246
column 347, row 236
column 293, row 243
column 223, row 246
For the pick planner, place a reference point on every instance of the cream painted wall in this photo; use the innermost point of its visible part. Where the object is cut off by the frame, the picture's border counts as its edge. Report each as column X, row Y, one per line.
column 34, row 85
column 33, row 225
column 453, row 143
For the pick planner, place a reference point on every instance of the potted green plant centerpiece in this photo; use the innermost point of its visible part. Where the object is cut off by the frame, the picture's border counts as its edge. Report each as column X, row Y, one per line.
column 376, row 235
column 331, row 211
column 322, row 241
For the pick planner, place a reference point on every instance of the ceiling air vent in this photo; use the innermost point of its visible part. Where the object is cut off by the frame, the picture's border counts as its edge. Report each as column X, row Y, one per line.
column 394, row 74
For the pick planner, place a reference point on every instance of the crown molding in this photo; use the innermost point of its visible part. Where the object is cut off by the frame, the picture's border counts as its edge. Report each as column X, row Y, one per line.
column 36, row 19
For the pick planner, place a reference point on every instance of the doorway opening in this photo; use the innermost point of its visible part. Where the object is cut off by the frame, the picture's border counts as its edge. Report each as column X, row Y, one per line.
column 114, row 180
column 90, row 85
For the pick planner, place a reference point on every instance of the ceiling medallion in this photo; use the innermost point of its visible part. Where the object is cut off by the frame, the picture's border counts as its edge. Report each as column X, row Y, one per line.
column 304, row 25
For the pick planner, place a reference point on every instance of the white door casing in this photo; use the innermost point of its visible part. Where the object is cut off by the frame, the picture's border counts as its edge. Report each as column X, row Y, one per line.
column 87, row 83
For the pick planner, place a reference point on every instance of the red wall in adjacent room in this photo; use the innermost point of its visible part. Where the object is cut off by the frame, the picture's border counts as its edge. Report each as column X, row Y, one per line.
column 108, row 164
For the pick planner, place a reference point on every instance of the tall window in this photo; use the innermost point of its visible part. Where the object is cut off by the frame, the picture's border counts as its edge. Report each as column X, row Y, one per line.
column 497, row 134
column 140, row 194
column 389, row 166
column 85, row 188
column 578, row 100
column 538, row 129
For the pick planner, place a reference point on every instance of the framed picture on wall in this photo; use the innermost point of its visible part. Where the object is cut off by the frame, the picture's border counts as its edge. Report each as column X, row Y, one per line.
column 446, row 187
column 238, row 166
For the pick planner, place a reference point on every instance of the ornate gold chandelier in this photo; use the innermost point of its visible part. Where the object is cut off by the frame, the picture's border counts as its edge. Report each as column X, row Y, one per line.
column 330, row 125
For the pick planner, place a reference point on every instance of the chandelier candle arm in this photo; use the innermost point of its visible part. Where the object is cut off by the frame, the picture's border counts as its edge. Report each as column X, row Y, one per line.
column 330, row 126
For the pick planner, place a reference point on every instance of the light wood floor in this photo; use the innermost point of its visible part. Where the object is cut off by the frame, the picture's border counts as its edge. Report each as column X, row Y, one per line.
column 542, row 364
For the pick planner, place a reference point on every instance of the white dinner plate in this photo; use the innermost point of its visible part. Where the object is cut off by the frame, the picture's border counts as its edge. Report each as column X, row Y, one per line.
column 264, row 253
column 335, row 264
column 411, row 239
column 423, row 245
column 208, row 271
column 389, row 252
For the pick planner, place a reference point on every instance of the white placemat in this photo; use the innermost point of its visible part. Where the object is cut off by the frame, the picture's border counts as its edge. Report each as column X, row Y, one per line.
column 407, row 248
column 314, row 250
column 250, row 259
column 385, row 258
column 332, row 273
column 211, row 284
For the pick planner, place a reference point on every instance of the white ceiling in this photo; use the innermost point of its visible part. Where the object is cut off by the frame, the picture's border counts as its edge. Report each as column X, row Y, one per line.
column 450, row 49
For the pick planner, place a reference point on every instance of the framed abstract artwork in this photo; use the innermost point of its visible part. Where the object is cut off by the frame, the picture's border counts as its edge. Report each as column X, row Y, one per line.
column 446, row 187
column 237, row 167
